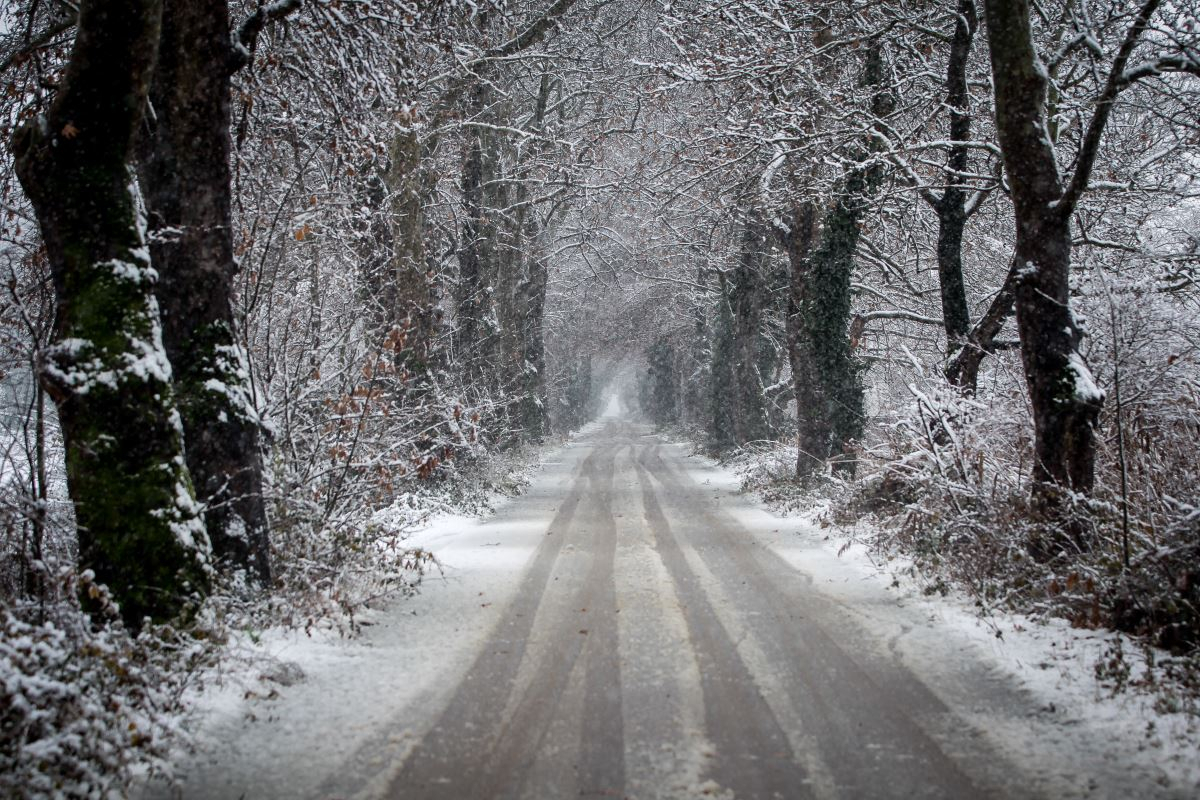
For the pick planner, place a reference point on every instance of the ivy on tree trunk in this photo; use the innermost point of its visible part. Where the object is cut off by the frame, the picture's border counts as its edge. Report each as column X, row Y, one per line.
column 832, row 397
column 827, row 375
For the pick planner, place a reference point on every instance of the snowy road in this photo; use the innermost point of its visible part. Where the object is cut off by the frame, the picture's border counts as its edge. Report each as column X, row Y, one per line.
column 652, row 648
column 629, row 628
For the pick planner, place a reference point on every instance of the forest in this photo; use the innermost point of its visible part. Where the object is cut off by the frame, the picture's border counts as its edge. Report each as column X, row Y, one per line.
column 285, row 279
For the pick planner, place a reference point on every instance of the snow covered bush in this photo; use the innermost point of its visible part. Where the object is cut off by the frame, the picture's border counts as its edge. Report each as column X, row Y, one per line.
column 947, row 479
column 1148, row 474
column 769, row 468
column 83, row 704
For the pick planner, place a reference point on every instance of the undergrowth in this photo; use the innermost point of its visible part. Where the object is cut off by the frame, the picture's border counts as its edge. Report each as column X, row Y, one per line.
column 85, row 704
column 945, row 488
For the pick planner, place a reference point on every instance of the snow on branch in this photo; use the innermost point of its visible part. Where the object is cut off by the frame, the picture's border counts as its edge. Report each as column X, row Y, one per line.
column 246, row 39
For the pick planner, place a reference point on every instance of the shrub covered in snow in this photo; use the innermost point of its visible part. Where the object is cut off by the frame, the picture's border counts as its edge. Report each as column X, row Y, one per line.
column 949, row 480
column 944, row 478
column 83, row 704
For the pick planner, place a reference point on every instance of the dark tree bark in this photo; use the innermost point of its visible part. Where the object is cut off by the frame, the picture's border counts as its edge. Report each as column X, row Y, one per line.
column 475, row 332
column 501, row 290
column 661, row 401
column 504, row 205
column 186, row 174
column 1065, row 402
column 963, row 368
column 139, row 527
column 965, row 346
column 412, row 288
column 747, row 300
column 374, row 247
column 410, row 183
column 529, row 299
column 833, row 414
column 951, row 207
column 696, row 361
column 828, row 378
column 723, row 386
column 576, row 408
column 813, row 429
column 530, row 361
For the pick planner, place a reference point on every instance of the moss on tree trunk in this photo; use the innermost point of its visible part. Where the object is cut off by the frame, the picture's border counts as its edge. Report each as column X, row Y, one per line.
column 185, row 171
column 139, row 526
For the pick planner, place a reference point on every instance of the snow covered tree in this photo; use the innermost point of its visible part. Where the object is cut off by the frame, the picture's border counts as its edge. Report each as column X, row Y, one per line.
column 749, row 296
column 1065, row 400
column 185, row 174
column 140, row 529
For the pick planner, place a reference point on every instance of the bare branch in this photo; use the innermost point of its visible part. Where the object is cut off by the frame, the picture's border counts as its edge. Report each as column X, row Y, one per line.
column 44, row 38
column 1116, row 82
column 246, row 39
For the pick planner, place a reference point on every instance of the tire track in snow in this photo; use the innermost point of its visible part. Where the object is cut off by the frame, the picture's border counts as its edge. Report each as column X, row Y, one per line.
column 862, row 715
column 752, row 756
column 665, row 740
column 487, row 739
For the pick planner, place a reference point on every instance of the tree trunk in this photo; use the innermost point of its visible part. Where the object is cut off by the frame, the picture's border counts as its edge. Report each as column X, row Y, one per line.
column 508, row 262
column 475, row 323
column 414, row 297
column 829, row 391
column 530, row 299
column 813, row 431
column 697, row 359
column 951, row 207
column 501, row 291
column 375, row 244
column 746, row 298
column 723, row 386
column 186, row 174
column 140, row 529
column 956, row 316
column 661, row 403
column 835, row 410
column 963, row 367
column 1065, row 401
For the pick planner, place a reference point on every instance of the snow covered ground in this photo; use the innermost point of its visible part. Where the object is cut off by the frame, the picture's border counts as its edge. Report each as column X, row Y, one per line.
column 326, row 717
column 368, row 699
